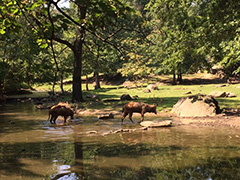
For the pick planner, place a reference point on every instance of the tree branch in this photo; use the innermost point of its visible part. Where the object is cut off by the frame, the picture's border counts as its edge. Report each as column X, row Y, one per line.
column 91, row 32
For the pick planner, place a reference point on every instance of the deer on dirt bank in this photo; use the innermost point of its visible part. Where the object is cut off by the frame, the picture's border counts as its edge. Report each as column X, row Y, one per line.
column 137, row 107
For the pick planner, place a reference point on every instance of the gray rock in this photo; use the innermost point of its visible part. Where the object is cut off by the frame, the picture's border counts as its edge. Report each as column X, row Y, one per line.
column 125, row 97
column 106, row 116
column 230, row 95
column 199, row 105
column 152, row 87
column 217, row 94
column 146, row 90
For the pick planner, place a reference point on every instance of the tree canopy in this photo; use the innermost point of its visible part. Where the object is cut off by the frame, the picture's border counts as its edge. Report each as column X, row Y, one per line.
column 42, row 41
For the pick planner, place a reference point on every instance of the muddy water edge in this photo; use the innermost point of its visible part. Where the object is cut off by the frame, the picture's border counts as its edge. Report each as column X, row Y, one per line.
column 85, row 148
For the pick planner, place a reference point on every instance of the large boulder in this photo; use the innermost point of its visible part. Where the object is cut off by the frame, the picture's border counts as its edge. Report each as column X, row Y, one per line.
column 199, row 105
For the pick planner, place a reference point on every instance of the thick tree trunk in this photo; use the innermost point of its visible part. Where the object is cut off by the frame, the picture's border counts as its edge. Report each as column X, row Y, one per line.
column 77, row 71
column 78, row 55
column 79, row 165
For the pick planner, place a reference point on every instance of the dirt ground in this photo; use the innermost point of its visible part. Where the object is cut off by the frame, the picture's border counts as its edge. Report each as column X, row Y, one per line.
column 229, row 118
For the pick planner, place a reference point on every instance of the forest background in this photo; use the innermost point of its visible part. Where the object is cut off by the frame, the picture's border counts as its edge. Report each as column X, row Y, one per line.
column 43, row 42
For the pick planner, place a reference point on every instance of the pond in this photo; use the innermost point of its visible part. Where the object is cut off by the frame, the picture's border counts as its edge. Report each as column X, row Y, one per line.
column 32, row 148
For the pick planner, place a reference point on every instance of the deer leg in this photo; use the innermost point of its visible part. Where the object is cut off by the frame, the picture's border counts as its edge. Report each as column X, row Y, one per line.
column 51, row 120
column 65, row 119
column 130, row 116
column 123, row 116
column 142, row 114
column 54, row 119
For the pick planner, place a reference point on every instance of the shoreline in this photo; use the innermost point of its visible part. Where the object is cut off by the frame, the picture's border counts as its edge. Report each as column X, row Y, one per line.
column 220, row 120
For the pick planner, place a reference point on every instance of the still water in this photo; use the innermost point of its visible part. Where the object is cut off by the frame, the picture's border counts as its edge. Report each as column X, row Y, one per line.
column 32, row 148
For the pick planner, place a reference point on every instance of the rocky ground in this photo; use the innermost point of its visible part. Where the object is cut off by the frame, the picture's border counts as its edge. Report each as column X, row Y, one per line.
column 229, row 118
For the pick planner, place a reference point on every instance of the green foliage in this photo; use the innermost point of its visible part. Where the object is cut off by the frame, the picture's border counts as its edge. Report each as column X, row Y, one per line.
column 135, row 38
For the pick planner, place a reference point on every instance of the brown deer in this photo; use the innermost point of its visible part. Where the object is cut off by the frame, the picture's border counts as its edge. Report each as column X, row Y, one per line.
column 137, row 107
column 61, row 109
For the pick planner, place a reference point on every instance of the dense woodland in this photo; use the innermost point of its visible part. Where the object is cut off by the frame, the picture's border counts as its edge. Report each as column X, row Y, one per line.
column 45, row 42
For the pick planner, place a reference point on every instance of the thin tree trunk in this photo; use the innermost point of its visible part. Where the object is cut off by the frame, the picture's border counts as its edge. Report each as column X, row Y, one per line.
column 97, row 80
column 54, row 82
column 179, row 78
column 174, row 78
column 61, row 79
column 87, row 83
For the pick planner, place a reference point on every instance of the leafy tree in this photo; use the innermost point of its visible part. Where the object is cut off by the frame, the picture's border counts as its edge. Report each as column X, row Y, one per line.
column 221, row 29
column 175, row 47
column 48, row 21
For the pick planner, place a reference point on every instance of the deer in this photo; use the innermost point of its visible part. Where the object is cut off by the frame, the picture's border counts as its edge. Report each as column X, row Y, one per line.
column 61, row 109
column 137, row 107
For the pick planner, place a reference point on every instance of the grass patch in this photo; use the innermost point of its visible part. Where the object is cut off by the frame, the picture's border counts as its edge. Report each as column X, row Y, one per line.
column 169, row 94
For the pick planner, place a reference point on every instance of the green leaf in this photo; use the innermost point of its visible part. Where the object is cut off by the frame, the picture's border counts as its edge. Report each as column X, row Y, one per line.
column 15, row 11
column 2, row 31
column 44, row 46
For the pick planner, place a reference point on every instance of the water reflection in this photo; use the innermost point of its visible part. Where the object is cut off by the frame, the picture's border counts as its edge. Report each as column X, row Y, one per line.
column 32, row 148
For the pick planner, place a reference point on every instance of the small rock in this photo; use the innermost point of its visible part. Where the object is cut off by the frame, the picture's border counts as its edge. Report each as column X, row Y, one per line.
column 152, row 87
column 108, row 116
column 188, row 92
column 117, row 131
column 135, row 97
column 217, row 94
column 231, row 95
column 125, row 97
column 144, row 128
column 156, row 123
column 91, row 132
column 146, row 90
column 221, row 85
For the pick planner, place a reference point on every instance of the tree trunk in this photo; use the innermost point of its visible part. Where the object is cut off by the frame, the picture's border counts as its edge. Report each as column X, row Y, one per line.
column 78, row 55
column 54, row 82
column 61, row 79
column 174, row 78
column 77, row 71
column 79, row 165
column 179, row 78
column 87, row 89
column 97, row 80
